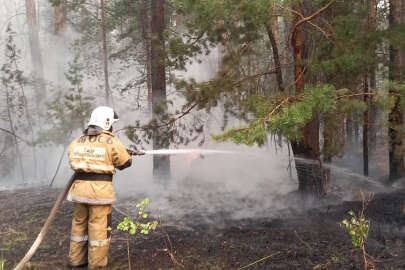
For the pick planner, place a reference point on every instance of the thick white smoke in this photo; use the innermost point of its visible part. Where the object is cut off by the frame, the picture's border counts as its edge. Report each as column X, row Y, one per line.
column 251, row 182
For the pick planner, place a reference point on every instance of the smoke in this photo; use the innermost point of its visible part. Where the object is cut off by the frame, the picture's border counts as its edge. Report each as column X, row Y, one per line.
column 243, row 182
column 247, row 182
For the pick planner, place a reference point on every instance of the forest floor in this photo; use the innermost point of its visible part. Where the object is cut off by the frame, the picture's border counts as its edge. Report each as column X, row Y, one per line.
column 301, row 239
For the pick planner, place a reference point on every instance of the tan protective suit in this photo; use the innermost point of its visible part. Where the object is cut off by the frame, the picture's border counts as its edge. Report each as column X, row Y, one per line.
column 94, row 159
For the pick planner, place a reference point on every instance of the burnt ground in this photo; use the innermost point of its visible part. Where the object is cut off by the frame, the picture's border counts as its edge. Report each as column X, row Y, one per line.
column 294, row 239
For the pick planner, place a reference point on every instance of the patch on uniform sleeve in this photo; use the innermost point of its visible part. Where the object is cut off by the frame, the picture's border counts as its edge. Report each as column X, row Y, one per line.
column 89, row 153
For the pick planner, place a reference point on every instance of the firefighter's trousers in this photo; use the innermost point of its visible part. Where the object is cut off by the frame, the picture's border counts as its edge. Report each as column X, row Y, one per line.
column 90, row 236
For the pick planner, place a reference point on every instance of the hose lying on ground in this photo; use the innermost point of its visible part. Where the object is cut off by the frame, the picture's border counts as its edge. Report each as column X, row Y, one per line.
column 46, row 226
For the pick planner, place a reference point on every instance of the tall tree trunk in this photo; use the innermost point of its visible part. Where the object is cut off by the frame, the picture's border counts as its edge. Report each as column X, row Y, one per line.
column 311, row 176
column 276, row 57
column 356, row 116
column 365, row 127
column 36, row 58
column 59, row 28
column 105, row 55
column 349, row 129
column 373, row 114
column 395, row 118
column 370, row 73
column 146, row 42
column 161, row 164
column 59, row 16
column 373, row 110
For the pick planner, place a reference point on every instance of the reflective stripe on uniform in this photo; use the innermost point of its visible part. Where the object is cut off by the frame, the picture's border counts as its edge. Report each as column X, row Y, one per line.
column 74, row 198
column 79, row 238
column 89, row 166
column 95, row 243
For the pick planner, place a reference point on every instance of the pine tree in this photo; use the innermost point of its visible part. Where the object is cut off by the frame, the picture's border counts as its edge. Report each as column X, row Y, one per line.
column 68, row 111
column 14, row 100
column 333, row 49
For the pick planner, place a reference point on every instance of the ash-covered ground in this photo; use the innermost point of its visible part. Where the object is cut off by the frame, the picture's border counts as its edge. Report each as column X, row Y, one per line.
column 220, row 212
column 193, row 236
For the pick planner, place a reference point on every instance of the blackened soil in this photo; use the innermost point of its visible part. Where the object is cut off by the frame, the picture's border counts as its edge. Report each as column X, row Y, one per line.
column 310, row 239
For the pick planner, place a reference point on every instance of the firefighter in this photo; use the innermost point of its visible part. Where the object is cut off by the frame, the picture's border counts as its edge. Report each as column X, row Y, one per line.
column 94, row 157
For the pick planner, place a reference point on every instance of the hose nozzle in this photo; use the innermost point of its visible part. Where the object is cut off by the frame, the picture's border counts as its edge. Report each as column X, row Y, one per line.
column 135, row 152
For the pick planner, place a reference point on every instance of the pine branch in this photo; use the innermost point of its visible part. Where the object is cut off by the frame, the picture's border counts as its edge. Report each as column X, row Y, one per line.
column 171, row 121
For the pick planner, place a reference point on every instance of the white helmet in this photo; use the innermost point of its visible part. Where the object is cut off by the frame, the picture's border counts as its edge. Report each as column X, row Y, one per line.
column 103, row 117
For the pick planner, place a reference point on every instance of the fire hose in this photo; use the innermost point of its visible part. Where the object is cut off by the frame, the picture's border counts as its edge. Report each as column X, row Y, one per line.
column 52, row 216
column 46, row 226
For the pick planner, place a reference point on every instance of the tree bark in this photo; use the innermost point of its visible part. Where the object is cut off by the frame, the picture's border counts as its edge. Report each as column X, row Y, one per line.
column 36, row 59
column 311, row 176
column 373, row 115
column 146, row 42
column 356, row 127
column 276, row 57
column 370, row 74
column 59, row 28
column 59, row 20
column 395, row 118
column 349, row 129
column 105, row 55
column 161, row 164
column 373, row 110
column 365, row 127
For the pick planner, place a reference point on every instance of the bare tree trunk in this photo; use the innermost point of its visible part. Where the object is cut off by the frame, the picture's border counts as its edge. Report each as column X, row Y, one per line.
column 356, row 127
column 349, row 129
column 373, row 115
column 146, row 40
column 59, row 20
column 59, row 28
column 395, row 118
column 365, row 127
column 371, row 24
column 276, row 57
column 36, row 58
column 105, row 55
column 373, row 110
column 311, row 176
column 161, row 164
column 148, row 74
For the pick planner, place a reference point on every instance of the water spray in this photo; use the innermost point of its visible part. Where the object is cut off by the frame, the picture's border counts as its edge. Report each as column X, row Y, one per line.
column 183, row 152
